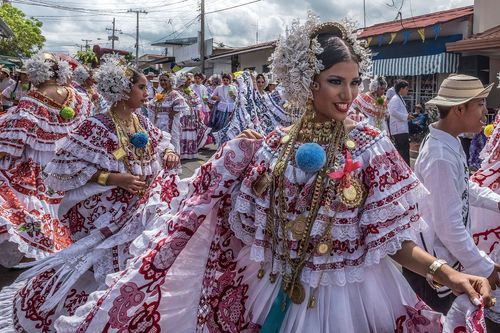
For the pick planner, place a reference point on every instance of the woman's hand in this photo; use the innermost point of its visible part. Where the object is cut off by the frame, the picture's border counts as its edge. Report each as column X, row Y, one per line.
column 171, row 160
column 473, row 286
column 128, row 182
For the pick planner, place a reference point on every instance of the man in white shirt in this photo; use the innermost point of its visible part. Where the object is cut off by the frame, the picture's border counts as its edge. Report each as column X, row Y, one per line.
column 398, row 120
column 442, row 168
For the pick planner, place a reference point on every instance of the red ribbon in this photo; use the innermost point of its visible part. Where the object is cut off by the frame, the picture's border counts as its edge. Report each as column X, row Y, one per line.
column 349, row 167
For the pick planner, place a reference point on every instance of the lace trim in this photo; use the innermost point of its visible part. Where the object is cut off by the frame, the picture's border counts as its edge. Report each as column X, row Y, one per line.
column 76, row 180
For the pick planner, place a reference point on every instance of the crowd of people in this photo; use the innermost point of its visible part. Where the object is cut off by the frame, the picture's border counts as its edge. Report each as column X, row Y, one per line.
column 294, row 224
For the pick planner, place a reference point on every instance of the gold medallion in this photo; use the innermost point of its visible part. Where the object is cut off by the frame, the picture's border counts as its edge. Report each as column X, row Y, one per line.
column 260, row 274
column 298, row 227
column 350, row 144
column 298, row 293
column 261, row 184
column 352, row 196
column 323, row 248
column 272, row 277
column 119, row 153
column 285, row 139
column 312, row 302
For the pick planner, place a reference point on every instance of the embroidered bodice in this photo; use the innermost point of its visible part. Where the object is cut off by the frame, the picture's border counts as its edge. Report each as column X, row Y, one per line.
column 360, row 236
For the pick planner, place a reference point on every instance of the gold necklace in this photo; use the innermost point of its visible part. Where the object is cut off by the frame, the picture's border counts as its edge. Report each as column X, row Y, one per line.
column 300, row 227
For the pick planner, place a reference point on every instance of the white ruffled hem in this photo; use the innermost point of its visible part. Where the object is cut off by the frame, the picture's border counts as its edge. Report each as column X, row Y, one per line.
column 7, row 299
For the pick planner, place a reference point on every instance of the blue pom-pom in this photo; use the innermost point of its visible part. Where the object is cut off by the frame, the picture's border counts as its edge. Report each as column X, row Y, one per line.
column 310, row 157
column 139, row 140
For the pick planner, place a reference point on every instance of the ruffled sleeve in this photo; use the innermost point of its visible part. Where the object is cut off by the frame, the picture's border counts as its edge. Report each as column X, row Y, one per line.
column 179, row 103
column 35, row 126
column 389, row 215
column 90, row 148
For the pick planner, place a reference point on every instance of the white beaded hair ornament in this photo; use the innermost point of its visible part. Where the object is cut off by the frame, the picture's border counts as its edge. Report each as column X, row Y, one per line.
column 182, row 79
column 170, row 76
column 113, row 78
column 375, row 83
column 45, row 66
column 81, row 74
column 295, row 59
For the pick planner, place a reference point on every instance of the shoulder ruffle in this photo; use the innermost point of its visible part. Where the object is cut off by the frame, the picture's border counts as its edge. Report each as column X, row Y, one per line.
column 37, row 124
column 90, row 148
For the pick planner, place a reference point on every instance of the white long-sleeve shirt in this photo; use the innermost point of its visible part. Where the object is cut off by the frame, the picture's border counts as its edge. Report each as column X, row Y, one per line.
column 442, row 168
column 398, row 121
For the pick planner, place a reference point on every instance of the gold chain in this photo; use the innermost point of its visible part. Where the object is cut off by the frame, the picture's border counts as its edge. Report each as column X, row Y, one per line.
column 292, row 268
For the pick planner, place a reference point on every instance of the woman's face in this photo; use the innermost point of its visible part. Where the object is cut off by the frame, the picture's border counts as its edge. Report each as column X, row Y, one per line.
column 138, row 93
column 336, row 88
column 23, row 78
column 165, row 83
column 380, row 91
column 198, row 79
column 226, row 81
column 261, row 83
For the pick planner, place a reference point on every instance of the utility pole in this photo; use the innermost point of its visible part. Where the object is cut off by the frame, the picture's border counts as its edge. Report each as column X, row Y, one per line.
column 364, row 13
column 87, row 41
column 257, row 33
column 137, row 12
column 113, row 36
column 202, row 37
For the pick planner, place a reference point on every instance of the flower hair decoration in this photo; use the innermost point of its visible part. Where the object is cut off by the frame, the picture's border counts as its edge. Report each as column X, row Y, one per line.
column 45, row 66
column 113, row 78
column 295, row 59
column 81, row 74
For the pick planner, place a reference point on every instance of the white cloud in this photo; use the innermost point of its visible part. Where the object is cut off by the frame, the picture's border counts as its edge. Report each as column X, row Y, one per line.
column 235, row 27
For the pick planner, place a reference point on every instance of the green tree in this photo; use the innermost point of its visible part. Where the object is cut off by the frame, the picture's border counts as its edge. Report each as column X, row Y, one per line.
column 86, row 57
column 28, row 38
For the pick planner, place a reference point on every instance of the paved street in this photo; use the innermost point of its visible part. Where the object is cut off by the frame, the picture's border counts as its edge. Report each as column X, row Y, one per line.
column 7, row 276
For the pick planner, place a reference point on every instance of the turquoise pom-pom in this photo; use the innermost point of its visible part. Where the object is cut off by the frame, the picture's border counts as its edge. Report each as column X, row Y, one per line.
column 139, row 140
column 310, row 157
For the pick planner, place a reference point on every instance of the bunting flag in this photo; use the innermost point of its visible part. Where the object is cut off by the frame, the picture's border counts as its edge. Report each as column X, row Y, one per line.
column 380, row 40
column 406, row 36
column 393, row 36
column 421, row 32
column 369, row 40
column 436, row 29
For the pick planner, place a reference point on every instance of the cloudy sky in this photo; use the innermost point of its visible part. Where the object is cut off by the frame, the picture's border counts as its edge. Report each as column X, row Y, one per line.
column 75, row 20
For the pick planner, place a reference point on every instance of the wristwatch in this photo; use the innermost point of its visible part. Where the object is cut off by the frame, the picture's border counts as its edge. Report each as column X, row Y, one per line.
column 431, row 271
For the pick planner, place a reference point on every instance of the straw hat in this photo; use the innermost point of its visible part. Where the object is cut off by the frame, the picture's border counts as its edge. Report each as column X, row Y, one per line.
column 458, row 89
column 5, row 70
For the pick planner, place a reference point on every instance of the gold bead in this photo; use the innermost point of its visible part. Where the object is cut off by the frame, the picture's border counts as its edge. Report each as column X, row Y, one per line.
column 260, row 274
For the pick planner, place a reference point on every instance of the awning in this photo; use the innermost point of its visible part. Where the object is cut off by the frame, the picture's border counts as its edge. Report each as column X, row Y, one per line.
column 186, row 70
column 411, row 66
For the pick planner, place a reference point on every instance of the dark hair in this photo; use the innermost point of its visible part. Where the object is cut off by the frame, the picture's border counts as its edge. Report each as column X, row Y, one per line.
column 260, row 76
column 381, row 81
column 400, row 85
column 227, row 76
column 335, row 50
column 443, row 111
column 200, row 75
column 136, row 75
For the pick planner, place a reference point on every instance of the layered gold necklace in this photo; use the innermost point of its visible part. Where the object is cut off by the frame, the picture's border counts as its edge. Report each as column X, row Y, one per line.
column 331, row 134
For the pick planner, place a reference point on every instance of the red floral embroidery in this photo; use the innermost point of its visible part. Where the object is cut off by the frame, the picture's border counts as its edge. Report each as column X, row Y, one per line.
column 130, row 296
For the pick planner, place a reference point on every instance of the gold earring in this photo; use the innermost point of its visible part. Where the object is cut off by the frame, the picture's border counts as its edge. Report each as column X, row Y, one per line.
column 315, row 85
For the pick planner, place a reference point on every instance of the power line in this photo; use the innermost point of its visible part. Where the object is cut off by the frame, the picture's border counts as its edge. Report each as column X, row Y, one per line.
column 228, row 8
column 137, row 12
